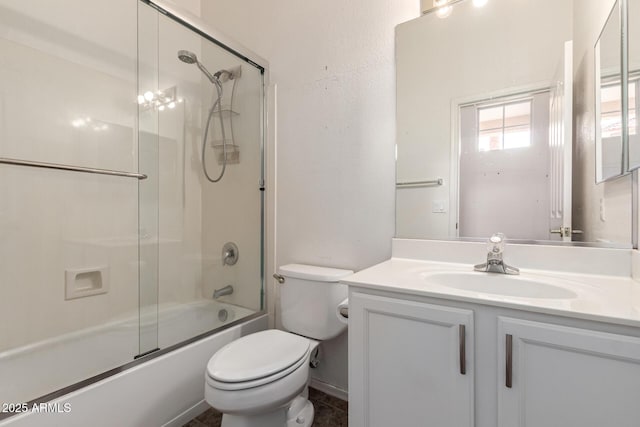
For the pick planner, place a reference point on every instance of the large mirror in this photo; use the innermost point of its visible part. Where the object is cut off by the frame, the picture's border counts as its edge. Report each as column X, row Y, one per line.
column 610, row 145
column 496, row 124
column 633, row 25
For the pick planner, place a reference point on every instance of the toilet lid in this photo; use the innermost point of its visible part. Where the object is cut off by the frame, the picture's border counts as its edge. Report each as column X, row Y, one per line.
column 257, row 356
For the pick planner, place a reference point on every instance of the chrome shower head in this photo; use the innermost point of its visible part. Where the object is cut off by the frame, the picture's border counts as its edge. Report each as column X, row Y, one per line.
column 190, row 58
column 187, row 57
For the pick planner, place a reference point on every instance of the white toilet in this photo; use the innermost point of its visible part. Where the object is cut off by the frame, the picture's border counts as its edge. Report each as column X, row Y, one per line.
column 260, row 380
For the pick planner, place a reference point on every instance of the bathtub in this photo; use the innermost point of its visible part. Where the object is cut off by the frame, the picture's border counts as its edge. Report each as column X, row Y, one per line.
column 189, row 320
column 43, row 367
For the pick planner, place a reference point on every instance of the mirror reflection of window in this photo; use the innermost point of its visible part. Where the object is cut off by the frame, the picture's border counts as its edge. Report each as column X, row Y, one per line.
column 504, row 126
column 611, row 110
column 505, row 167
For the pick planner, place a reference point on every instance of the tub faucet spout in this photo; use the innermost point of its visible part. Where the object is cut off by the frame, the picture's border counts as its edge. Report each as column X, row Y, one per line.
column 227, row 290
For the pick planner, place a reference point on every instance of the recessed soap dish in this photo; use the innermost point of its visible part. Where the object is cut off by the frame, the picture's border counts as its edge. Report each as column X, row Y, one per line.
column 84, row 282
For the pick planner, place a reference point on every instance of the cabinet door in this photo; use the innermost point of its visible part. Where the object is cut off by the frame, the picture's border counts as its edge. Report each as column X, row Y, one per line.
column 566, row 377
column 410, row 363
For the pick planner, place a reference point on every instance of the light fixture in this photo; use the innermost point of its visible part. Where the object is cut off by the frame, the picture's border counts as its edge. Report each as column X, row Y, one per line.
column 480, row 3
column 149, row 96
column 442, row 10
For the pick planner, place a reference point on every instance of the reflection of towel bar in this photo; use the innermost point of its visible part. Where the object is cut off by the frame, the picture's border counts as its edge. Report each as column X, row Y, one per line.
column 438, row 181
column 6, row 161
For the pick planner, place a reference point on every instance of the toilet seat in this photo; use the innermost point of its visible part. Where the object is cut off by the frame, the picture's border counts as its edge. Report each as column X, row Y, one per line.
column 257, row 359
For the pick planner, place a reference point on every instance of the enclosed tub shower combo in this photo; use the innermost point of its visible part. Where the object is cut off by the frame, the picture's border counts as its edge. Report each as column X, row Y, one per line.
column 131, row 190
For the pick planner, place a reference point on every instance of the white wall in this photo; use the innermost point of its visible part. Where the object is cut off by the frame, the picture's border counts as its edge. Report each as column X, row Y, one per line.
column 589, row 18
column 333, row 63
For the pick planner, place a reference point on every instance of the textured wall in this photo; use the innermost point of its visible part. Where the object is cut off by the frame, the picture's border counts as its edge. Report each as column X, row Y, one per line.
column 333, row 63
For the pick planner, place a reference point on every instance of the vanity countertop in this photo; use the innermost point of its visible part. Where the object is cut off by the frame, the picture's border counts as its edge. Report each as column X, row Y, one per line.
column 603, row 298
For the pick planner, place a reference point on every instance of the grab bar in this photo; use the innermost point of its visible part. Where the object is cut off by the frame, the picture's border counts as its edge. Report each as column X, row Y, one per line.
column 437, row 181
column 6, row 161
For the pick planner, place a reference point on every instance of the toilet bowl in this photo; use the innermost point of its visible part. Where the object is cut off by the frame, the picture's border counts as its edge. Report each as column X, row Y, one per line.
column 261, row 380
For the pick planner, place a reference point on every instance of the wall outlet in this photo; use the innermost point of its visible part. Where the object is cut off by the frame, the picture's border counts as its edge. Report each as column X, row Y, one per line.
column 602, row 211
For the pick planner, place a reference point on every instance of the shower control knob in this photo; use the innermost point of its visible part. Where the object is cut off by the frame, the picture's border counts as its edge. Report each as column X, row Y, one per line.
column 230, row 253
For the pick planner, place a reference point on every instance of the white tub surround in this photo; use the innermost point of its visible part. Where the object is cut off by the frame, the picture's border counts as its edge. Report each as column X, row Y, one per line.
column 433, row 341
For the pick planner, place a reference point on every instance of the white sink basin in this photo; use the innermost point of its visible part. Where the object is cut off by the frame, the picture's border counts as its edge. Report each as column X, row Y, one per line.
column 500, row 284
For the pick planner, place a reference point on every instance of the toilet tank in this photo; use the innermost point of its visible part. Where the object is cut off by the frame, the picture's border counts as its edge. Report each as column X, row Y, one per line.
column 308, row 300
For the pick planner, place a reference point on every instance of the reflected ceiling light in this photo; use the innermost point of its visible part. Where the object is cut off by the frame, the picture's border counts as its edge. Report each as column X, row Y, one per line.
column 159, row 100
column 77, row 123
column 442, row 10
column 480, row 3
column 89, row 123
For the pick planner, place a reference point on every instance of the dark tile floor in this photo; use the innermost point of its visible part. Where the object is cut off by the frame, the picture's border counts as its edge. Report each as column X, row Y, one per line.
column 329, row 412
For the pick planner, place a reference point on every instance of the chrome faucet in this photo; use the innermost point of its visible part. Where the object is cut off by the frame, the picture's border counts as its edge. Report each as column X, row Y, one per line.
column 227, row 290
column 495, row 264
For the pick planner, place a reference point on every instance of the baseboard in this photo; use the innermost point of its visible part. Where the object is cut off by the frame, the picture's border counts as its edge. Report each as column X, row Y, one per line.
column 188, row 415
column 329, row 389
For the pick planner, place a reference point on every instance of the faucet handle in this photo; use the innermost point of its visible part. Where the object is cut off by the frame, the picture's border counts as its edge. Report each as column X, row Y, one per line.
column 496, row 243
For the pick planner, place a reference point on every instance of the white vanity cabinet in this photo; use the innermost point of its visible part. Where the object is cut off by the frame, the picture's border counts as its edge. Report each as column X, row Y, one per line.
column 534, row 370
column 561, row 376
column 410, row 363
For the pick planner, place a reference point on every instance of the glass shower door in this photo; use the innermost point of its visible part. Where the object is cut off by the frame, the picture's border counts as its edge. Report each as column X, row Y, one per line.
column 68, row 238
column 198, row 100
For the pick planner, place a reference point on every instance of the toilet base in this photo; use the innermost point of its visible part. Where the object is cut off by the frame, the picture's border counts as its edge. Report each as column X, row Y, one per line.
column 276, row 418
column 298, row 414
